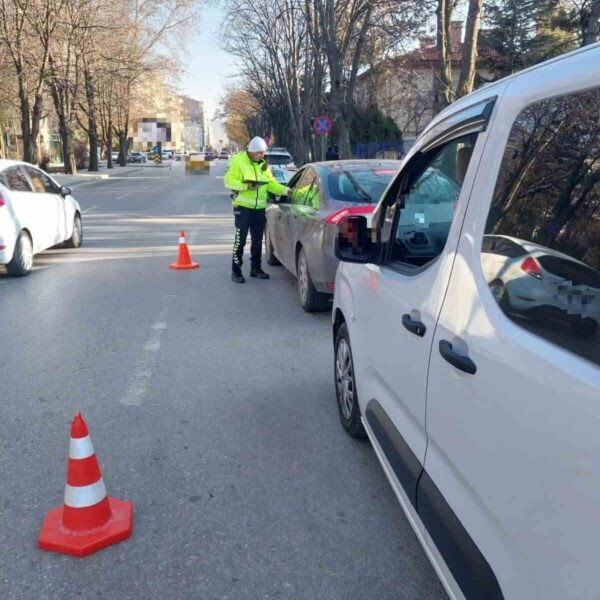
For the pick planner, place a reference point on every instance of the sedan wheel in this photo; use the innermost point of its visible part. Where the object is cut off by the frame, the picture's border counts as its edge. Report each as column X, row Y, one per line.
column 22, row 260
column 270, row 256
column 345, row 385
column 310, row 299
column 77, row 236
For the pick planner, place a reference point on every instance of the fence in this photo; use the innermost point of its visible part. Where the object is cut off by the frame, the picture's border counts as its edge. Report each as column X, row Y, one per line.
column 393, row 150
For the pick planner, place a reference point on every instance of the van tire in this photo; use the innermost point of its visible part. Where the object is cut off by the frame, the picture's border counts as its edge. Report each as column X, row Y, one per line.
column 345, row 385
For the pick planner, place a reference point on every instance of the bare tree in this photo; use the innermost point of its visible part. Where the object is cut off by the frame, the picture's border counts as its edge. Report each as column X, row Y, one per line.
column 444, row 95
column 343, row 31
column 26, row 29
column 470, row 49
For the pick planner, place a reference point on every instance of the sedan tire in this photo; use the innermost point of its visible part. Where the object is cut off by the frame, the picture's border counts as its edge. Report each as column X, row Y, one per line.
column 77, row 236
column 310, row 299
column 345, row 386
column 22, row 260
column 269, row 254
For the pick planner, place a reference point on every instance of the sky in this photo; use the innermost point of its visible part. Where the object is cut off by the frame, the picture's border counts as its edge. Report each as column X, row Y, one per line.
column 209, row 67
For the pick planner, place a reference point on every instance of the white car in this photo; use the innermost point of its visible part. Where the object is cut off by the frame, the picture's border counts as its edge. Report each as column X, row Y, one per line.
column 540, row 283
column 281, row 161
column 485, row 417
column 36, row 213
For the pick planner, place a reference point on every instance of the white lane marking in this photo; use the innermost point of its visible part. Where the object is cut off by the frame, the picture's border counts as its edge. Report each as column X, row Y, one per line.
column 81, row 447
column 82, row 496
column 142, row 373
column 123, row 195
column 90, row 209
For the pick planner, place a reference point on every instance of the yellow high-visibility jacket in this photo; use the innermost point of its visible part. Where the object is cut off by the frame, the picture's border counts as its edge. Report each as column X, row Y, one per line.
column 242, row 168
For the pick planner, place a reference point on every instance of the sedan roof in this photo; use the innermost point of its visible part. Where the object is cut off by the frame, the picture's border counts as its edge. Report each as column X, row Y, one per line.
column 5, row 163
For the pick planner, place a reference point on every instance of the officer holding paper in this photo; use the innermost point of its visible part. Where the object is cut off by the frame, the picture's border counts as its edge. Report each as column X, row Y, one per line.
column 250, row 180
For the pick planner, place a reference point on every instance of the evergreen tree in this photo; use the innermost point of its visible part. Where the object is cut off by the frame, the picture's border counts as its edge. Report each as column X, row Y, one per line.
column 371, row 125
column 524, row 33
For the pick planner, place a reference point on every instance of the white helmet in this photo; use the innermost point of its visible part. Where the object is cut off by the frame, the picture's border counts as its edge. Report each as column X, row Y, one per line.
column 257, row 144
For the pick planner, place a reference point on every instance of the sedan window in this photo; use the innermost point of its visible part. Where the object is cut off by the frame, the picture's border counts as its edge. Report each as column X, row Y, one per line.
column 41, row 183
column 15, row 180
column 361, row 184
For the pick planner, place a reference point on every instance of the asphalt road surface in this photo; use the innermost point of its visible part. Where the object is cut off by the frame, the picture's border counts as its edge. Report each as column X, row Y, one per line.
column 211, row 407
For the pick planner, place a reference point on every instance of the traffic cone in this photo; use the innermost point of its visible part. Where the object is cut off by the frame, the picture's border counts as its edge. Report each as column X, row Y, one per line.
column 184, row 260
column 89, row 520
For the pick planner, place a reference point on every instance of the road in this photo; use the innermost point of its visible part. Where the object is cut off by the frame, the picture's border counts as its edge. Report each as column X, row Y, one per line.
column 211, row 407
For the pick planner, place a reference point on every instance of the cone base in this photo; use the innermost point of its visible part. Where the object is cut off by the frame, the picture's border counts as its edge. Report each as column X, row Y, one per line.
column 56, row 538
column 183, row 267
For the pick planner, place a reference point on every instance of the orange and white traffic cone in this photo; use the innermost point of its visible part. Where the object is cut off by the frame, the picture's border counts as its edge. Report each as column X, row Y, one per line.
column 89, row 520
column 184, row 260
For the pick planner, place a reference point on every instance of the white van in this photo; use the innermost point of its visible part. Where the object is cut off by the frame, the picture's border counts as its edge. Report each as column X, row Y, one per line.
column 466, row 335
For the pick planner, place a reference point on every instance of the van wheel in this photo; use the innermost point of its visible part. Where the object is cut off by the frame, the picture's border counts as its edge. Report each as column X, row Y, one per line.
column 345, row 386
column 585, row 328
column 22, row 260
column 77, row 237
column 269, row 254
column 310, row 299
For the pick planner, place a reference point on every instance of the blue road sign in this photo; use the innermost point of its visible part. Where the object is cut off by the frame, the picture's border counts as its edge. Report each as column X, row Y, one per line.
column 322, row 125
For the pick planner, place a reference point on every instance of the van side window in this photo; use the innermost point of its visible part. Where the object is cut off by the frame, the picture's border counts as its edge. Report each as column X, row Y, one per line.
column 547, row 203
column 428, row 202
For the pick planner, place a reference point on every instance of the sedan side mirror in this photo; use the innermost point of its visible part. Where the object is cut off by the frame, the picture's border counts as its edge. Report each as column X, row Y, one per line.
column 352, row 241
column 65, row 191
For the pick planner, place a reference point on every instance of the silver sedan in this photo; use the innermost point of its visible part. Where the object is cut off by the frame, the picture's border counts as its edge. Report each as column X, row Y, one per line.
column 301, row 228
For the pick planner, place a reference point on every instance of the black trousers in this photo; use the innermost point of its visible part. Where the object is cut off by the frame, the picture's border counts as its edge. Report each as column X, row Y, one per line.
column 252, row 219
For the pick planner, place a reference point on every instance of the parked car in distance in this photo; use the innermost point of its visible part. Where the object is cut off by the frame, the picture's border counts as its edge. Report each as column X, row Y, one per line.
column 36, row 213
column 300, row 231
column 114, row 156
column 137, row 157
column 466, row 342
column 281, row 162
column 224, row 154
column 210, row 155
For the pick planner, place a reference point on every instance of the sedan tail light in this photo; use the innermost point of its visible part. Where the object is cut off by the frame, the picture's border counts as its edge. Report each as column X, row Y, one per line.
column 338, row 215
column 2, row 202
column 530, row 266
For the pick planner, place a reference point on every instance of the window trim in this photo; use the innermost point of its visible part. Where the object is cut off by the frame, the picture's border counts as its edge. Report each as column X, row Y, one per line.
column 472, row 119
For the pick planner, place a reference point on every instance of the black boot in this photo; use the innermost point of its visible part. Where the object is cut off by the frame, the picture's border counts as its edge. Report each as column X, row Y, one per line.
column 259, row 273
column 236, row 275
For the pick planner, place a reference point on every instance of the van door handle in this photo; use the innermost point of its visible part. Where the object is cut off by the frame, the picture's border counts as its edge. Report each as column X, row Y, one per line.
column 413, row 325
column 464, row 363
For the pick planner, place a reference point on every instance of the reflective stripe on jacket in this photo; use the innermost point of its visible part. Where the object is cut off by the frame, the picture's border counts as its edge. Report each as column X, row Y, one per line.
column 242, row 168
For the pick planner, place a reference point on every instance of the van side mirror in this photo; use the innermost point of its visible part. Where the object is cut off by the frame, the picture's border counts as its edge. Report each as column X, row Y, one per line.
column 353, row 241
column 65, row 191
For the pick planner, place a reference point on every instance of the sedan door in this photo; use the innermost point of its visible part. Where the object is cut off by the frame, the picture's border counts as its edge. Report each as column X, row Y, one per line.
column 25, row 206
column 52, row 205
column 286, row 226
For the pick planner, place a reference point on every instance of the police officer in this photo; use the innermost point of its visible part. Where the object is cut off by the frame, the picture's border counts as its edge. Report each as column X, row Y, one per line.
column 250, row 179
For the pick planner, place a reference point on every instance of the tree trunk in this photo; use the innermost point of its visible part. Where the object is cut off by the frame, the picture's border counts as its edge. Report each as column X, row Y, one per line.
column 28, row 141
column 92, row 122
column 469, row 50
column 444, row 49
column 123, row 147
column 590, row 24
column 108, row 142
column 67, row 148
